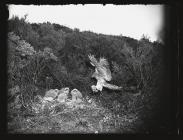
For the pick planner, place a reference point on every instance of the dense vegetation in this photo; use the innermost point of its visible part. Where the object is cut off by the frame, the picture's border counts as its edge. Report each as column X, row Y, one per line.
column 42, row 56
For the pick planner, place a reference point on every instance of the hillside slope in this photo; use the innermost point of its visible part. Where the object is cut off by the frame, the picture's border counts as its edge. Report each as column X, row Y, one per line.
column 50, row 56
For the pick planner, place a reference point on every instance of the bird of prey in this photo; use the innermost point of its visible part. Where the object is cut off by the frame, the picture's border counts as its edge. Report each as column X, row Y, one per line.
column 102, row 74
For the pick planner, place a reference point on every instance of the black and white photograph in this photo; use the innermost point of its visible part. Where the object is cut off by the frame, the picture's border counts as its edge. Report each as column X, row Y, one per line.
column 88, row 69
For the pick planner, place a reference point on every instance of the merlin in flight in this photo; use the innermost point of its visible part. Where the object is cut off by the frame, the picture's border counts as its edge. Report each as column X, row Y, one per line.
column 102, row 74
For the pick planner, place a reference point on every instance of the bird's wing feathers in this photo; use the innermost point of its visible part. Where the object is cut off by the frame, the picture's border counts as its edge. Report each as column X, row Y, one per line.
column 101, row 68
column 104, row 68
column 93, row 60
column 104, row 73
column 103, row 62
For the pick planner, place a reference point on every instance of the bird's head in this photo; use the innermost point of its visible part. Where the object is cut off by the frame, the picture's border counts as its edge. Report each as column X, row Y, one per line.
column 94, row 88
column 65, row 90
column 74, row 90
column 56, row 90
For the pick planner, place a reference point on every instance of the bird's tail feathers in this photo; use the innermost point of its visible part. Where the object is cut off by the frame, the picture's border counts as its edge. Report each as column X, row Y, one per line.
column 111, row 86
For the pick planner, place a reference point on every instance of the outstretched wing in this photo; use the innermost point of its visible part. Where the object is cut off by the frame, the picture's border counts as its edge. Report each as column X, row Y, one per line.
column 104, row 68
column 103, row 62
column 93, row 60
column 101, row 68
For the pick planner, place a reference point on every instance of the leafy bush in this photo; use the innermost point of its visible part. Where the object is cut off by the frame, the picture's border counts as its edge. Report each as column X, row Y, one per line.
column 139, row 61
column 25, row 66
